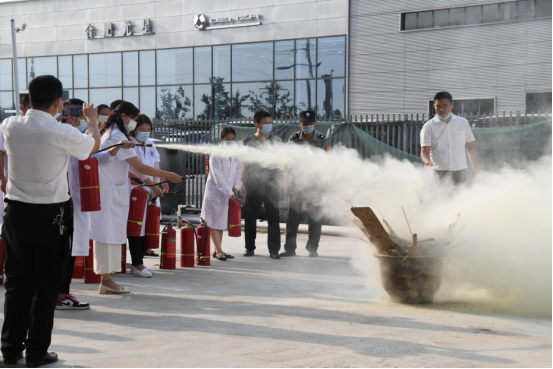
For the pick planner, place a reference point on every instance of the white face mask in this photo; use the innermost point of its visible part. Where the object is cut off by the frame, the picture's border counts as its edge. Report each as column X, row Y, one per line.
column 131, row 126
column 103, row 118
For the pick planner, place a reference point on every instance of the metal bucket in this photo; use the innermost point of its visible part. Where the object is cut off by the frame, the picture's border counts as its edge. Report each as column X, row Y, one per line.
column 412, row 281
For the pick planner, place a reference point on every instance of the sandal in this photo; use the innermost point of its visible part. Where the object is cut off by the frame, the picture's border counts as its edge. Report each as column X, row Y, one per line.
column 229, row 256
column 153, row 253
column 216, row 256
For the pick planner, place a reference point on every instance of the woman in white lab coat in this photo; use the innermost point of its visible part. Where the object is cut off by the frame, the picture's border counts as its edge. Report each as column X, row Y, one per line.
column 108, row 227
column 223, row 183
column 148, row 156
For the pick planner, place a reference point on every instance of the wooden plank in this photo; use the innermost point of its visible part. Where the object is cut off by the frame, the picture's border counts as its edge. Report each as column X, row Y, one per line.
column 378, row 235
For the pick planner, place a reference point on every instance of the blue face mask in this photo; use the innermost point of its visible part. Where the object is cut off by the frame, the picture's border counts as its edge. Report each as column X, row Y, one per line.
column 266, row 128
column 230, row 143
column 83, row 125
column 446, row 118
column 143, row 136
column 58, row 114
column 308, row 129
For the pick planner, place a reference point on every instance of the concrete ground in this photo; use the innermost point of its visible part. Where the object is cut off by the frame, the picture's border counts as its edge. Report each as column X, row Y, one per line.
column 295, row 312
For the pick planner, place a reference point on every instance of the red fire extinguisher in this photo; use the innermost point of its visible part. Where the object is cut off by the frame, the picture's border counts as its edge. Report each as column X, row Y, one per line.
column 89, row 275
column 203, row 243
column 139, row 197
column 187, row 246
column 123, row 259
column 89, row 185
column 234, row 218
column 168, row 248
column 206, row 164
column 153, row 213
column 78, row 269
column 2, row 261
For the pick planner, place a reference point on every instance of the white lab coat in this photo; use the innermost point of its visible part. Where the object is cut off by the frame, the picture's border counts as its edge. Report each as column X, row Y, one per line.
column 148, row 156
column 109, row 225
column 224, row 175
column 5, row 173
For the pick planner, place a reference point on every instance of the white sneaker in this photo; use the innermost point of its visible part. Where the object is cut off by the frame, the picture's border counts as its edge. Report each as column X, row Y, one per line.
column 144, row 273
column 149, row 270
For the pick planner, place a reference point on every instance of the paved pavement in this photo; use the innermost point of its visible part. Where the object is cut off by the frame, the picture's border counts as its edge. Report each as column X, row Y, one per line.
column 296, row 312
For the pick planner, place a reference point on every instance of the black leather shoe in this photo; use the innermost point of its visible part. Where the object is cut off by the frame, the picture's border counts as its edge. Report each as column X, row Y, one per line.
column 248, row 253
column 287, row 253
column 13, row 361
column 313, row 254
column 49, row 358
column 274, row 256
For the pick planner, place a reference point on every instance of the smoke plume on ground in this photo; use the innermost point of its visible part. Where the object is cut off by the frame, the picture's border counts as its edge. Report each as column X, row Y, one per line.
column 502, row 249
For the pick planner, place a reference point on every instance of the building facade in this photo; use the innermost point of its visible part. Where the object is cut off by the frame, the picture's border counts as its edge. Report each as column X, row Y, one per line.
column 229, row 58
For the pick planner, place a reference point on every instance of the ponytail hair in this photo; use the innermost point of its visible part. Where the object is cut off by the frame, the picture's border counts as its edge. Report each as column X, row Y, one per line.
column 115, row 119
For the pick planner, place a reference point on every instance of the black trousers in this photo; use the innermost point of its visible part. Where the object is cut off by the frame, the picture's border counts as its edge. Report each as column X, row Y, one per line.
column 68, row 276
column 314, row 220
column 136, row 247
column 35, row 265
column 255, row 195
column 458, row 176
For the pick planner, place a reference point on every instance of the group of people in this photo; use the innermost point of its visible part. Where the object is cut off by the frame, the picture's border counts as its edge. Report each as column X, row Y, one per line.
column 44, row 228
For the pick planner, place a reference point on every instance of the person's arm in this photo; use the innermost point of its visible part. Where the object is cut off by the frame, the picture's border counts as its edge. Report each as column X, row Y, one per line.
column 473, row 156
column 426, row 143
column 159, row 179
column 237, row 178
column 137, row 164
column 92, row 125
column 218, row 176
column 425, row 156
column 3, row 179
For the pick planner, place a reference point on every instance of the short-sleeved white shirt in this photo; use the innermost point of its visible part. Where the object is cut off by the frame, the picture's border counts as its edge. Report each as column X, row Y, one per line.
column 2, row 142
column 447, row 142
column 38, row 149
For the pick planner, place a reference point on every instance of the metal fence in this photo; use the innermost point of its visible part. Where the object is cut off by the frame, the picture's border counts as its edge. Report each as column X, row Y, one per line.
column 401, row 131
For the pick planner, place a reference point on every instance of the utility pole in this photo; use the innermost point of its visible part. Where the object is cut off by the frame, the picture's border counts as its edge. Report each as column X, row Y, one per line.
column 15, row 66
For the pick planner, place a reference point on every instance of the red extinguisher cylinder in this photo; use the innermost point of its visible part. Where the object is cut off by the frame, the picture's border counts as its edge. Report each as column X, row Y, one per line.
column 187, row 247
column 168, row 249
column 204, row 244
column 153, row 218
column 123, row 259
column 89, row 275
column 139, row 198
column 89, row 183
column 234, row 218
column 78, row 268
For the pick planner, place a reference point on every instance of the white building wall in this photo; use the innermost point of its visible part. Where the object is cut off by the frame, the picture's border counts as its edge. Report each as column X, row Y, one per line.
column 399, row 72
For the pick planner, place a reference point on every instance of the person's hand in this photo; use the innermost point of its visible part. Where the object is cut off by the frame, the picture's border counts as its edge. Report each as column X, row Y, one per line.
column 133, row 182
column 157, row 191
column 243, row 191
column 174, row 178
column 90, row 113
column 126, row 145
column 3, row 182
column 165, row 187
column 233, row 197
column 235, row 191
column 428, row 165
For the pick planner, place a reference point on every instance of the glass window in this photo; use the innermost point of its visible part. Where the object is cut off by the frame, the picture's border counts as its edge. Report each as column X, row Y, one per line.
column 6, row 74
column 148, row 101
column 284, row 59
column 538, row 102
column 441, row 18
column 42, row 66
column 425, row 20
column 457, row 17
column 147, row 68
column 202, row 65
column 305, row 95
column 252, row 62
column 65, row 69
column 6, row 103
column 221, row 63
column 543, row 8
column 174, row 67
column 410, row 21
column 105, row 70
column 247, row 98
column 330, row 97
column 104, row 95
column 202, row 101
column 67, row 94
column 508, row 11
column 130, row 68
column 221, row 100
column 22, row 72
column 284, row 99
column 130, row 94
column 81, row 94
column 473, row 15
column 80, row 71
column 174, row 102
column 490, row 13
column 305, row 58
column 331, row 60
column 525, row 9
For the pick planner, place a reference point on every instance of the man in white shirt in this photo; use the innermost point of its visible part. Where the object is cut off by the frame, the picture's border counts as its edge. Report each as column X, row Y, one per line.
column 36, row 242
column 445, row 139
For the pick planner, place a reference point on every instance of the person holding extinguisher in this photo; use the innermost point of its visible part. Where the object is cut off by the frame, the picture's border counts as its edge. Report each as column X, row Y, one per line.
column 108, row 227
column 148, row 156
column 223, row 183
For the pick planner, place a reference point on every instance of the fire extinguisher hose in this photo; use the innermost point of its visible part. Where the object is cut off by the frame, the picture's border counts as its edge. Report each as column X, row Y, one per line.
column 120, row 144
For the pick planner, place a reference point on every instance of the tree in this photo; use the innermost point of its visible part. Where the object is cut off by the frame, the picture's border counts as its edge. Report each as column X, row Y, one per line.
column 274, row 98
column 173, row 105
